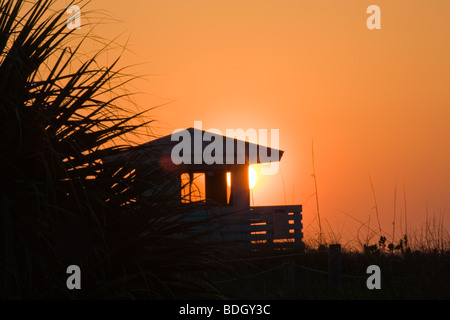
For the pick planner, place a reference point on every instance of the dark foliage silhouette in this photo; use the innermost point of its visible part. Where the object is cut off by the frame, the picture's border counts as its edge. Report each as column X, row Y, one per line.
column 73, row 191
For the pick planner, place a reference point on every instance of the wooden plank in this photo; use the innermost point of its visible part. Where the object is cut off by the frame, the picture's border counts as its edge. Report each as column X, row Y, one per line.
column 260, row 237
column 266, row 227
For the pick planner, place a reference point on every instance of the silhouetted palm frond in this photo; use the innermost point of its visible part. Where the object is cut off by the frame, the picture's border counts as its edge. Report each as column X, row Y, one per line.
column 72, row 192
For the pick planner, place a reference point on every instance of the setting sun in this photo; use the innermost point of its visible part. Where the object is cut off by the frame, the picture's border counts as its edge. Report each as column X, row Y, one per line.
column 252, row 177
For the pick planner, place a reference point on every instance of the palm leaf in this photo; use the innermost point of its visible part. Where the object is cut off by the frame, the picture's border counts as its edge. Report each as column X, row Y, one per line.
column 72, row 190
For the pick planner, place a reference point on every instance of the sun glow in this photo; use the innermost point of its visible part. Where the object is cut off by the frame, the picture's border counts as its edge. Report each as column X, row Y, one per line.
column 252, row 177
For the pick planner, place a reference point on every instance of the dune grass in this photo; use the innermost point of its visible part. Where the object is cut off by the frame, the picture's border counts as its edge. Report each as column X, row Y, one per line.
column 73, row 189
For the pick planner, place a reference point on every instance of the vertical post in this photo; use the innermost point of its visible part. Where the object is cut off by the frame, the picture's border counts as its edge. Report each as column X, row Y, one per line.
column 334, row 266
column 239, row 187
column 289, row 276
column 240, row 193
column 298, row 233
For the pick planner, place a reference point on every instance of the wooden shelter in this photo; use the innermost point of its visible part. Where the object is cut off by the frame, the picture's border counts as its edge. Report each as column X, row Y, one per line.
column 223, row 189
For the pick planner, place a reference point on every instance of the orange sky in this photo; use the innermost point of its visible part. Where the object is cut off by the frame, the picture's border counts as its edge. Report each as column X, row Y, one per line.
column 376, row 102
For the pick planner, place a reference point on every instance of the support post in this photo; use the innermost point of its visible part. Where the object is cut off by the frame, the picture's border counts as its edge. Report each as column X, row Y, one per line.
column 334, row 266
column 289, row 276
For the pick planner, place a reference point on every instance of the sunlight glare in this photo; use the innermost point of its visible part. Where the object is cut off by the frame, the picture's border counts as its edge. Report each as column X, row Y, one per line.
column 252, row 177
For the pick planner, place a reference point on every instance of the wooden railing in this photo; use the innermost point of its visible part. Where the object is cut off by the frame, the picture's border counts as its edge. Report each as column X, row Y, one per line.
column 261, row 224
column 276, row 223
